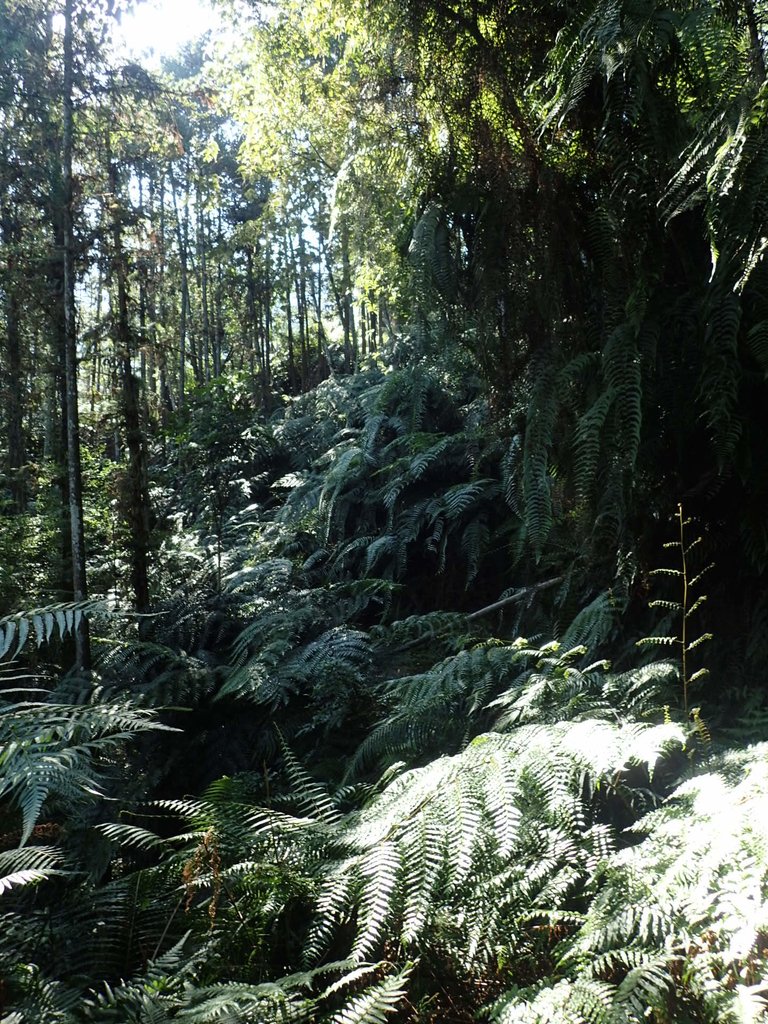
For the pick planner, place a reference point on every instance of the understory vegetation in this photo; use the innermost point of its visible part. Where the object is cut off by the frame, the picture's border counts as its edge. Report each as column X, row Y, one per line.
column 416, row 668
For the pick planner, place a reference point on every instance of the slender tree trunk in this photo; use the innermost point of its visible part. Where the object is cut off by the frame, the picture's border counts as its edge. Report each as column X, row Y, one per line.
column 74, row 468
column 218, row 333
column 289, row 321
column 301, row 292
column 138, row 506
column 319, row 308
column 11, row 232
column 184, row 300
column 250, row 326
column 300, row 299
column 325, row 366
column 338, row 299
column 202, row 248
column 143, row 340
column 350, row 356
column 267, row 298
column 161, row 308
column 150, row 278
column 96, row 353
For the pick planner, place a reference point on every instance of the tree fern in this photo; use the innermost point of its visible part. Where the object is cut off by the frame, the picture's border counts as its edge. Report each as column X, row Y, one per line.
column 659, row 945
column 42, row 624
column 52, row 752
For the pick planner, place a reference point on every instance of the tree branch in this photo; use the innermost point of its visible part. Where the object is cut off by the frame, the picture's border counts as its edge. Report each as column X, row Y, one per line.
column 513, row 598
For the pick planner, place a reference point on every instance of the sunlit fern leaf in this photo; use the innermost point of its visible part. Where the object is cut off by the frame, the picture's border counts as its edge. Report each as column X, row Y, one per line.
column 30, row 864
column 644, row 690
column 41, row 624
column 424, row 851
column 486, row 801
column 311, row 797
column 502, row 800
column 376, row 1004
column 333, row 906
column 24, row 876
column 681, row 901
column 379, row 875
column 233, row 1003
column 130, row 836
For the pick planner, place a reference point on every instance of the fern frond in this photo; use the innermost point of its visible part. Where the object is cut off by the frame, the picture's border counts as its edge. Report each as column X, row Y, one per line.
column 377, row 1003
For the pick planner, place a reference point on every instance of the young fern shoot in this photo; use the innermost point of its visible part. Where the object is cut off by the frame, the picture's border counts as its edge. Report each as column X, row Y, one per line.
column 685, row 607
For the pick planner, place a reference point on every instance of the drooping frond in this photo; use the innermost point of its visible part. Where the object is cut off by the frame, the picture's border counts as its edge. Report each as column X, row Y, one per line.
column 50, row 751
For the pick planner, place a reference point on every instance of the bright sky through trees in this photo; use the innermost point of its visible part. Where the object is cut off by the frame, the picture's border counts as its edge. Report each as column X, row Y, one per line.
column 160, row 27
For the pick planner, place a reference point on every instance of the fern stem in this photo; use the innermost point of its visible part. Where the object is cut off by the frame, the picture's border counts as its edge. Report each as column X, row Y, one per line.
column 683, row 639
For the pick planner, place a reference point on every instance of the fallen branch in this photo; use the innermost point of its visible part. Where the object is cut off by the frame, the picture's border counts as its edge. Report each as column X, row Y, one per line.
column 513, row 598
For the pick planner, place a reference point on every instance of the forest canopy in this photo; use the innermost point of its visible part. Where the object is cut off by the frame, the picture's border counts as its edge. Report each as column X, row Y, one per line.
column 383, row 535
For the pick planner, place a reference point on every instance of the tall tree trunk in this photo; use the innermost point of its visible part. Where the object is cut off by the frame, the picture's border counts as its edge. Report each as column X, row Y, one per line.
column 251, row 327
column 301, row 292
column 289, row 320
column 138, row 506
column 161, row 309
column 181, row 239
column 338, row 299
column 350, row 355
column 149, row 279
column 74, row 468
column 202, row 248
column 11, row 233
column 325, row 365
column 300, row 299
column 218, row 304
column 267, row 299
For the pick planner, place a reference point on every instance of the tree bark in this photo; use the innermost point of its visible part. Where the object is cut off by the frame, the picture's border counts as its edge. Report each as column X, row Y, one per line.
column 289, row 319
column 137, row 498
column 181, row 241
column 202, row 247
column 348, row 317
column 74, row 467
column 11, row 232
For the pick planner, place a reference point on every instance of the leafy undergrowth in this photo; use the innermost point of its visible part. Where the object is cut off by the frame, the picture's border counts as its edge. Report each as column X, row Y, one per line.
column 322, row 786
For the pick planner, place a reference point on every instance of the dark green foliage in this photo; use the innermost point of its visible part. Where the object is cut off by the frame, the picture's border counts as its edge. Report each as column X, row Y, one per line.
column 386, row 747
